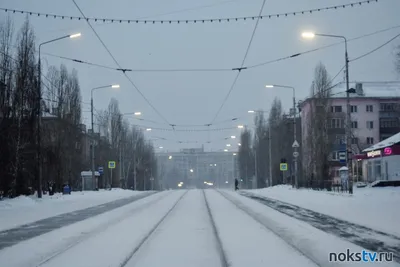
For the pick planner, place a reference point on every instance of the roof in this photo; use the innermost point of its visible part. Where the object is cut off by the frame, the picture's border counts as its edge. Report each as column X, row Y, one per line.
column 385, row 143
column 370, row 90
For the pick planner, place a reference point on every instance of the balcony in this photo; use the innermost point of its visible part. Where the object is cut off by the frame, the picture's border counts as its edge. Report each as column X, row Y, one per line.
column 389, row 130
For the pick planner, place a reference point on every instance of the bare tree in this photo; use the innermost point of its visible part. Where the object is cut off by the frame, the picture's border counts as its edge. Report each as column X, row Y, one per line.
column 246, row 158
column 317, row 147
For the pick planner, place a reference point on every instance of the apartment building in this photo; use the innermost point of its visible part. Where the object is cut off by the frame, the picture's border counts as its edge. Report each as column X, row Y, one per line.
column 375, row 114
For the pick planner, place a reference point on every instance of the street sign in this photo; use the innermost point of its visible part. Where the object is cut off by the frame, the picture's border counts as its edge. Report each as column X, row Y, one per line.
column 295, row 144
column 111, row 164
column 295, row 154
column 101, row 170
column 283, row 167
column 342, row 156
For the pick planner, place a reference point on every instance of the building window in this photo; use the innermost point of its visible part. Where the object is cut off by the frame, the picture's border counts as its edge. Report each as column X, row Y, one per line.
column 354, row 141
column 389, row 123
column 354, row 124
column 353, row 109
column 336, row 109
column 370, row 140
column 370, row 125
column 370, row 108
column 335, row 155
column 337, row 123
column 389, row 106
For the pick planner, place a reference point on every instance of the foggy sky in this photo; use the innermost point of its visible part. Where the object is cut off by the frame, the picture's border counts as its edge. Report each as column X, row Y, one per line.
column 193, row 98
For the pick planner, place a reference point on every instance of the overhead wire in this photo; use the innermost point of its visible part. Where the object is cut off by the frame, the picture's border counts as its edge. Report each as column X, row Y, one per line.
column 241, row 66
column 119, row 66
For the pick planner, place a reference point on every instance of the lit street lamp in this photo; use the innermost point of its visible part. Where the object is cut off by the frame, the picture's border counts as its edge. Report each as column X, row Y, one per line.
column 92, row 122
column 240, row 126
column 39, row 111
column 311, row 35
column 295, row 143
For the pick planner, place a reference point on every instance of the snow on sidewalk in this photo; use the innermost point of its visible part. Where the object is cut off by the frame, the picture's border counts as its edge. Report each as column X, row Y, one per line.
column 102, row 240
column 27, row 209
column 312, row 242
column 371, row 207
column 246, row 242
column 184, row 239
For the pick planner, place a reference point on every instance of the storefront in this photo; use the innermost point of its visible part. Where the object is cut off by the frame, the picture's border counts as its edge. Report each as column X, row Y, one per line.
column 382, row 161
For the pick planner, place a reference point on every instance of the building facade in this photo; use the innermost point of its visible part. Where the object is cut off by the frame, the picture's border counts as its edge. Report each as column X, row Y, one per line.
column 194, row 168
column 375, row 114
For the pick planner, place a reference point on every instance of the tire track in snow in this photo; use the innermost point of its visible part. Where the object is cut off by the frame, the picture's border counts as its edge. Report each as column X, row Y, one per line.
column 365, row 237
column 254, row 216
column 99, row 229
column 150, row 233
column 221, row 252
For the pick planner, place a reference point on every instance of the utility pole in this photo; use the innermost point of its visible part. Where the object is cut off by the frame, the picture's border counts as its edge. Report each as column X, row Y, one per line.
column 92, row 141
column 120, row 158
column 38, row 135
column 348, row 123
column 255, row 166
column 295, row 152
column 270, row 156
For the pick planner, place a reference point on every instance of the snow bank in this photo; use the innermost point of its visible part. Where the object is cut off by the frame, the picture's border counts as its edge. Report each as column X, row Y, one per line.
column 376, row 208
column 27, row 209
column 314, row 243
column 102, row 240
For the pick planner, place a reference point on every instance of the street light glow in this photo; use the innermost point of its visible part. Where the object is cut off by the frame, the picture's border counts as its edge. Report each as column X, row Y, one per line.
column 269, row 86
column 234, row 154
column 191, row 170
column 250, row 111
column 239, row 144
column 160, row 147
column 215, row 164
column 228, row 145
column 170, row 157
column 240, row 126
column 148, row 129
column 115, row 86
column 75, row 35
column 137, row 113
column 308, row 35
column 233, row 137
column 225, row 150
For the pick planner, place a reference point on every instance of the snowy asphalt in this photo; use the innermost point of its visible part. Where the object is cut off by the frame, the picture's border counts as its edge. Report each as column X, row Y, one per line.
column 365, row 237
column 15, row 235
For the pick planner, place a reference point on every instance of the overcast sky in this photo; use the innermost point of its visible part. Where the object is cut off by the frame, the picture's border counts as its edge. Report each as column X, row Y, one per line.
column 193, row 98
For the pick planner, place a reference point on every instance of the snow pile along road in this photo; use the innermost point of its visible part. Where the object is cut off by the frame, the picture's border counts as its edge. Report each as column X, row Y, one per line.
column 371, row 207
column 102, row 240
column 315, row 244
column 22, row 210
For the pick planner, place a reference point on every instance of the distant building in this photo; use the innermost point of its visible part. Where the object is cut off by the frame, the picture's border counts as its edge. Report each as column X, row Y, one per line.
column 193, row 167
column 375, row 114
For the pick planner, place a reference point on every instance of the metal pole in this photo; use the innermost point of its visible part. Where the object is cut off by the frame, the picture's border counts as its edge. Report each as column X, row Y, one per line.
column 348, row 123
column 255, row 166
column 120, row 159
column 295, row 139
column 92, row 141
column 39, row 122
column 134, row 169
column 270, row 156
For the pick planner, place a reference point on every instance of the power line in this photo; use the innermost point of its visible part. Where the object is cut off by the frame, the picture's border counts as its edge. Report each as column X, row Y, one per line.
column 119, row 66
column 241, row 66
column 188, row 21
column 321, row 48
column 375, row 49
column 141, row 70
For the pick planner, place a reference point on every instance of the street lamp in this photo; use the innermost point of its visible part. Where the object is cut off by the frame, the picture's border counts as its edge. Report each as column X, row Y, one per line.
column 39, row 112
column 295, row 143
column 240, row 126
column 137, row 113
column 225, row 150
column 170, row 157
column 251, row 111
column 160, row 147
column 148, row 129
column 92, row 122
column 228, row 145
column 191, row 170
column 311, row 35
column 233, row 137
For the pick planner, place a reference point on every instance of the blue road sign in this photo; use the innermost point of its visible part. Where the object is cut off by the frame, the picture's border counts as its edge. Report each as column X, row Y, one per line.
column 342, row 156
column 101, row 170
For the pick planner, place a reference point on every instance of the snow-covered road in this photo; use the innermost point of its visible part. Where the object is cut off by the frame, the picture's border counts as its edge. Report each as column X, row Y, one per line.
column 184, row 228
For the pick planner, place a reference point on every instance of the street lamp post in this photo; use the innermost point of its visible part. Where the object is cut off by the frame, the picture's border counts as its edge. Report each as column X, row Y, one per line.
column 295, row 143
column 39, row 113
column 92, row 122
column 311, row 35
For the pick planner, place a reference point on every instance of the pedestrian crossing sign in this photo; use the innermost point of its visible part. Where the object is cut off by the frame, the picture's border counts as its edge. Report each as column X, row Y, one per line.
column 111, row 164
column 283, row 167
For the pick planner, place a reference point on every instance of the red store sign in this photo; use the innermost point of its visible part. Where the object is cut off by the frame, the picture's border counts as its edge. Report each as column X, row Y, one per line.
column 387, row 151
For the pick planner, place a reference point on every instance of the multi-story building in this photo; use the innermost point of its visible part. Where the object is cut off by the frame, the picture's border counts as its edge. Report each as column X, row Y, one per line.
column 193, row 167
column 375, row 116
